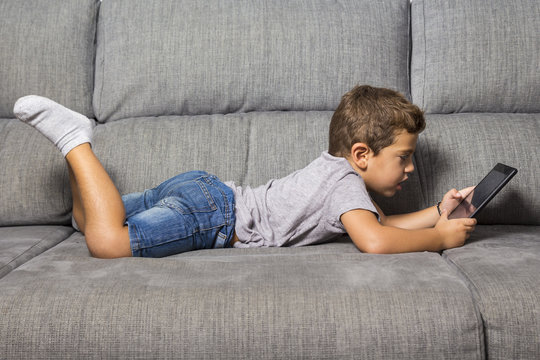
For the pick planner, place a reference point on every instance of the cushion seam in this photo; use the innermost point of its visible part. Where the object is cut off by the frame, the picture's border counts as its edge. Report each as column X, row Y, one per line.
column 473, row 290
column 47, row 237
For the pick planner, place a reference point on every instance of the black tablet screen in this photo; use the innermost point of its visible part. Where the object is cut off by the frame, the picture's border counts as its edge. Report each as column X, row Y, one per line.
column 484, row 191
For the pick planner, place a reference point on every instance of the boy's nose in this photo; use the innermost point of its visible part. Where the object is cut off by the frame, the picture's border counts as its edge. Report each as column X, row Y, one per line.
column 410, row 167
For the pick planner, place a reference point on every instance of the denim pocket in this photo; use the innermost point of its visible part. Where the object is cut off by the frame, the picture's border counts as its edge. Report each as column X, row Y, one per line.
column 190, row 197
column 192, row 211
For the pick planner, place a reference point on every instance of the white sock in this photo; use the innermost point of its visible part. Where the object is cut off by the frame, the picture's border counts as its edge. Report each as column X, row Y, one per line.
column 64, row 127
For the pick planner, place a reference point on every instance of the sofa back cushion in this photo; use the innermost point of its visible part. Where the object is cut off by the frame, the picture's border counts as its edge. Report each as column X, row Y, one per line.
column 190, row 57
column 476, row 55
column 247, row 148
column 47, row 48
column 34, row 183
column 458, row 150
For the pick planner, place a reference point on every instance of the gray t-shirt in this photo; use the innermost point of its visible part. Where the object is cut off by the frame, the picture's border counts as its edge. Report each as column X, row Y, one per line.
column 302, row 208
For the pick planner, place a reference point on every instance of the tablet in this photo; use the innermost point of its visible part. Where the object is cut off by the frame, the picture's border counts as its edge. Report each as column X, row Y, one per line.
column 482, row 194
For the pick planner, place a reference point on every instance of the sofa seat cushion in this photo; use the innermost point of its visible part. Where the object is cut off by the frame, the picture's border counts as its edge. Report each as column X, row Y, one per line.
column 22, row 243
column 501, row 265
column 327, row 301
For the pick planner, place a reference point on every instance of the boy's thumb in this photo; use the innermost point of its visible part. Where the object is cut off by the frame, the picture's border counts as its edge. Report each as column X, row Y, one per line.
column 444, row 214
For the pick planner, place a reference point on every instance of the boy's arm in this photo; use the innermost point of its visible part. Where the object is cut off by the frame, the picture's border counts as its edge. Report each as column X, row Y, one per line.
column 427, row 217
column 373, row 237
column 416, row 220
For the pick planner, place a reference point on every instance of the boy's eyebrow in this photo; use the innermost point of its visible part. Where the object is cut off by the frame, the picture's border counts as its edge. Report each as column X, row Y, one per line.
column 406, row 151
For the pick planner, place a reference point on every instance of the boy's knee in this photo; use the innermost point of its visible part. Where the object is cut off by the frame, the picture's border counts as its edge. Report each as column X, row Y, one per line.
column 108, row 244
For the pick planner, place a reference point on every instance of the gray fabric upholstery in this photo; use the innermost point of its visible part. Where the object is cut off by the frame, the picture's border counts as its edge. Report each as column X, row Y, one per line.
column 47, row 48
column 140, row 153
column 257, row 146
column 186, row 58
column 328, row 301
column 247, row 148
column 471, row 55
column 501, row 265
column 245, row 90
column 458, row 151
column 275, row 136
column 20, row 244
column 34, row 182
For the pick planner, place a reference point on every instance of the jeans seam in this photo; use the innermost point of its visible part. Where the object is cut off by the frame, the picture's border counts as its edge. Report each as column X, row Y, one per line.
column 136, row 241
column 182, row 211
column 197, row 181
column 198, row 231
column 206, row 193
column 227, row 216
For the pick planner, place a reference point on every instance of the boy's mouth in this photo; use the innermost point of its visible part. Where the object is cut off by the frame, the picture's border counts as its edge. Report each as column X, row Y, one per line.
column 399, row 187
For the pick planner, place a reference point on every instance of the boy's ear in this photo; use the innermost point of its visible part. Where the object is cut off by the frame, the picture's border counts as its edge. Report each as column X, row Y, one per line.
column 360, row 154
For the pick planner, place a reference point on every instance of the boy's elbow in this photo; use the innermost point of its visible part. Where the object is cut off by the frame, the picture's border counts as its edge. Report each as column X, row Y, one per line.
column 366, row 232
column 372, row 245
column 376, row 247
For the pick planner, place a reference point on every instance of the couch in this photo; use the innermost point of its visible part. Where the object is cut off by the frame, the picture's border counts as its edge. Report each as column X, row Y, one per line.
column 245, row 89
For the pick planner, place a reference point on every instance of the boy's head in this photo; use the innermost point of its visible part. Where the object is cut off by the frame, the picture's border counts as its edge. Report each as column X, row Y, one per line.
column 372, row 116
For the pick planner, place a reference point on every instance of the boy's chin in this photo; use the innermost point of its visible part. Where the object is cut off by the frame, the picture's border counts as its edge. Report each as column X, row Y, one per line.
column 389, row 193
column 386, row 193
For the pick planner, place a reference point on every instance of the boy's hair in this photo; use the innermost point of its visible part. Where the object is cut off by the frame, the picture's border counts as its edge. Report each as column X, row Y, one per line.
column 372, row 116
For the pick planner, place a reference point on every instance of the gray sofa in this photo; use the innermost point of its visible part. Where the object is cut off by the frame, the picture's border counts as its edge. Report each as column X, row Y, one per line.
column 245, row 89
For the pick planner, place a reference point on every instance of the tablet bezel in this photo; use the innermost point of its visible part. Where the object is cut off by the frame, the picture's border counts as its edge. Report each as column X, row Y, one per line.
column 503, row 169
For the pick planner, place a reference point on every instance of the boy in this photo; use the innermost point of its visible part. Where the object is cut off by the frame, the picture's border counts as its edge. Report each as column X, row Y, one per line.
column 373, row 135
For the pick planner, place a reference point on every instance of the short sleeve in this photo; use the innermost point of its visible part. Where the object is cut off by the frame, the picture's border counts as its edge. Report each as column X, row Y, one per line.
column 349, row 193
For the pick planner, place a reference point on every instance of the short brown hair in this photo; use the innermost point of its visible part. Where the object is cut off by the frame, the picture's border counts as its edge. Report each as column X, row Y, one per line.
column 372, row 116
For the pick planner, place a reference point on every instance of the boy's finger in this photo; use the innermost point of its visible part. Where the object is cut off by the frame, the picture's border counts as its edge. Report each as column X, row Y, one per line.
column 466, row 191
column 444, row 214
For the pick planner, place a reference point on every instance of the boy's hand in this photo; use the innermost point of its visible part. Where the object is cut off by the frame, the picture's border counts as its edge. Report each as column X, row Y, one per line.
column 454, row 232
column 452, row 199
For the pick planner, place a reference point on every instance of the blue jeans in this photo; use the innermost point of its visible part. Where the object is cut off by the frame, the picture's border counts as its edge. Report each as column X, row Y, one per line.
column 190, row 211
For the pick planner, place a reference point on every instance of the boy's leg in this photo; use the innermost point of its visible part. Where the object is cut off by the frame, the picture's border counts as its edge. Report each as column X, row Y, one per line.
column 104, row 214
column 78, row 210
column 100, row 209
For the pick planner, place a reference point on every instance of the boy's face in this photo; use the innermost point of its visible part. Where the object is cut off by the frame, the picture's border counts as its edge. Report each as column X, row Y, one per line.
column 383, row 173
